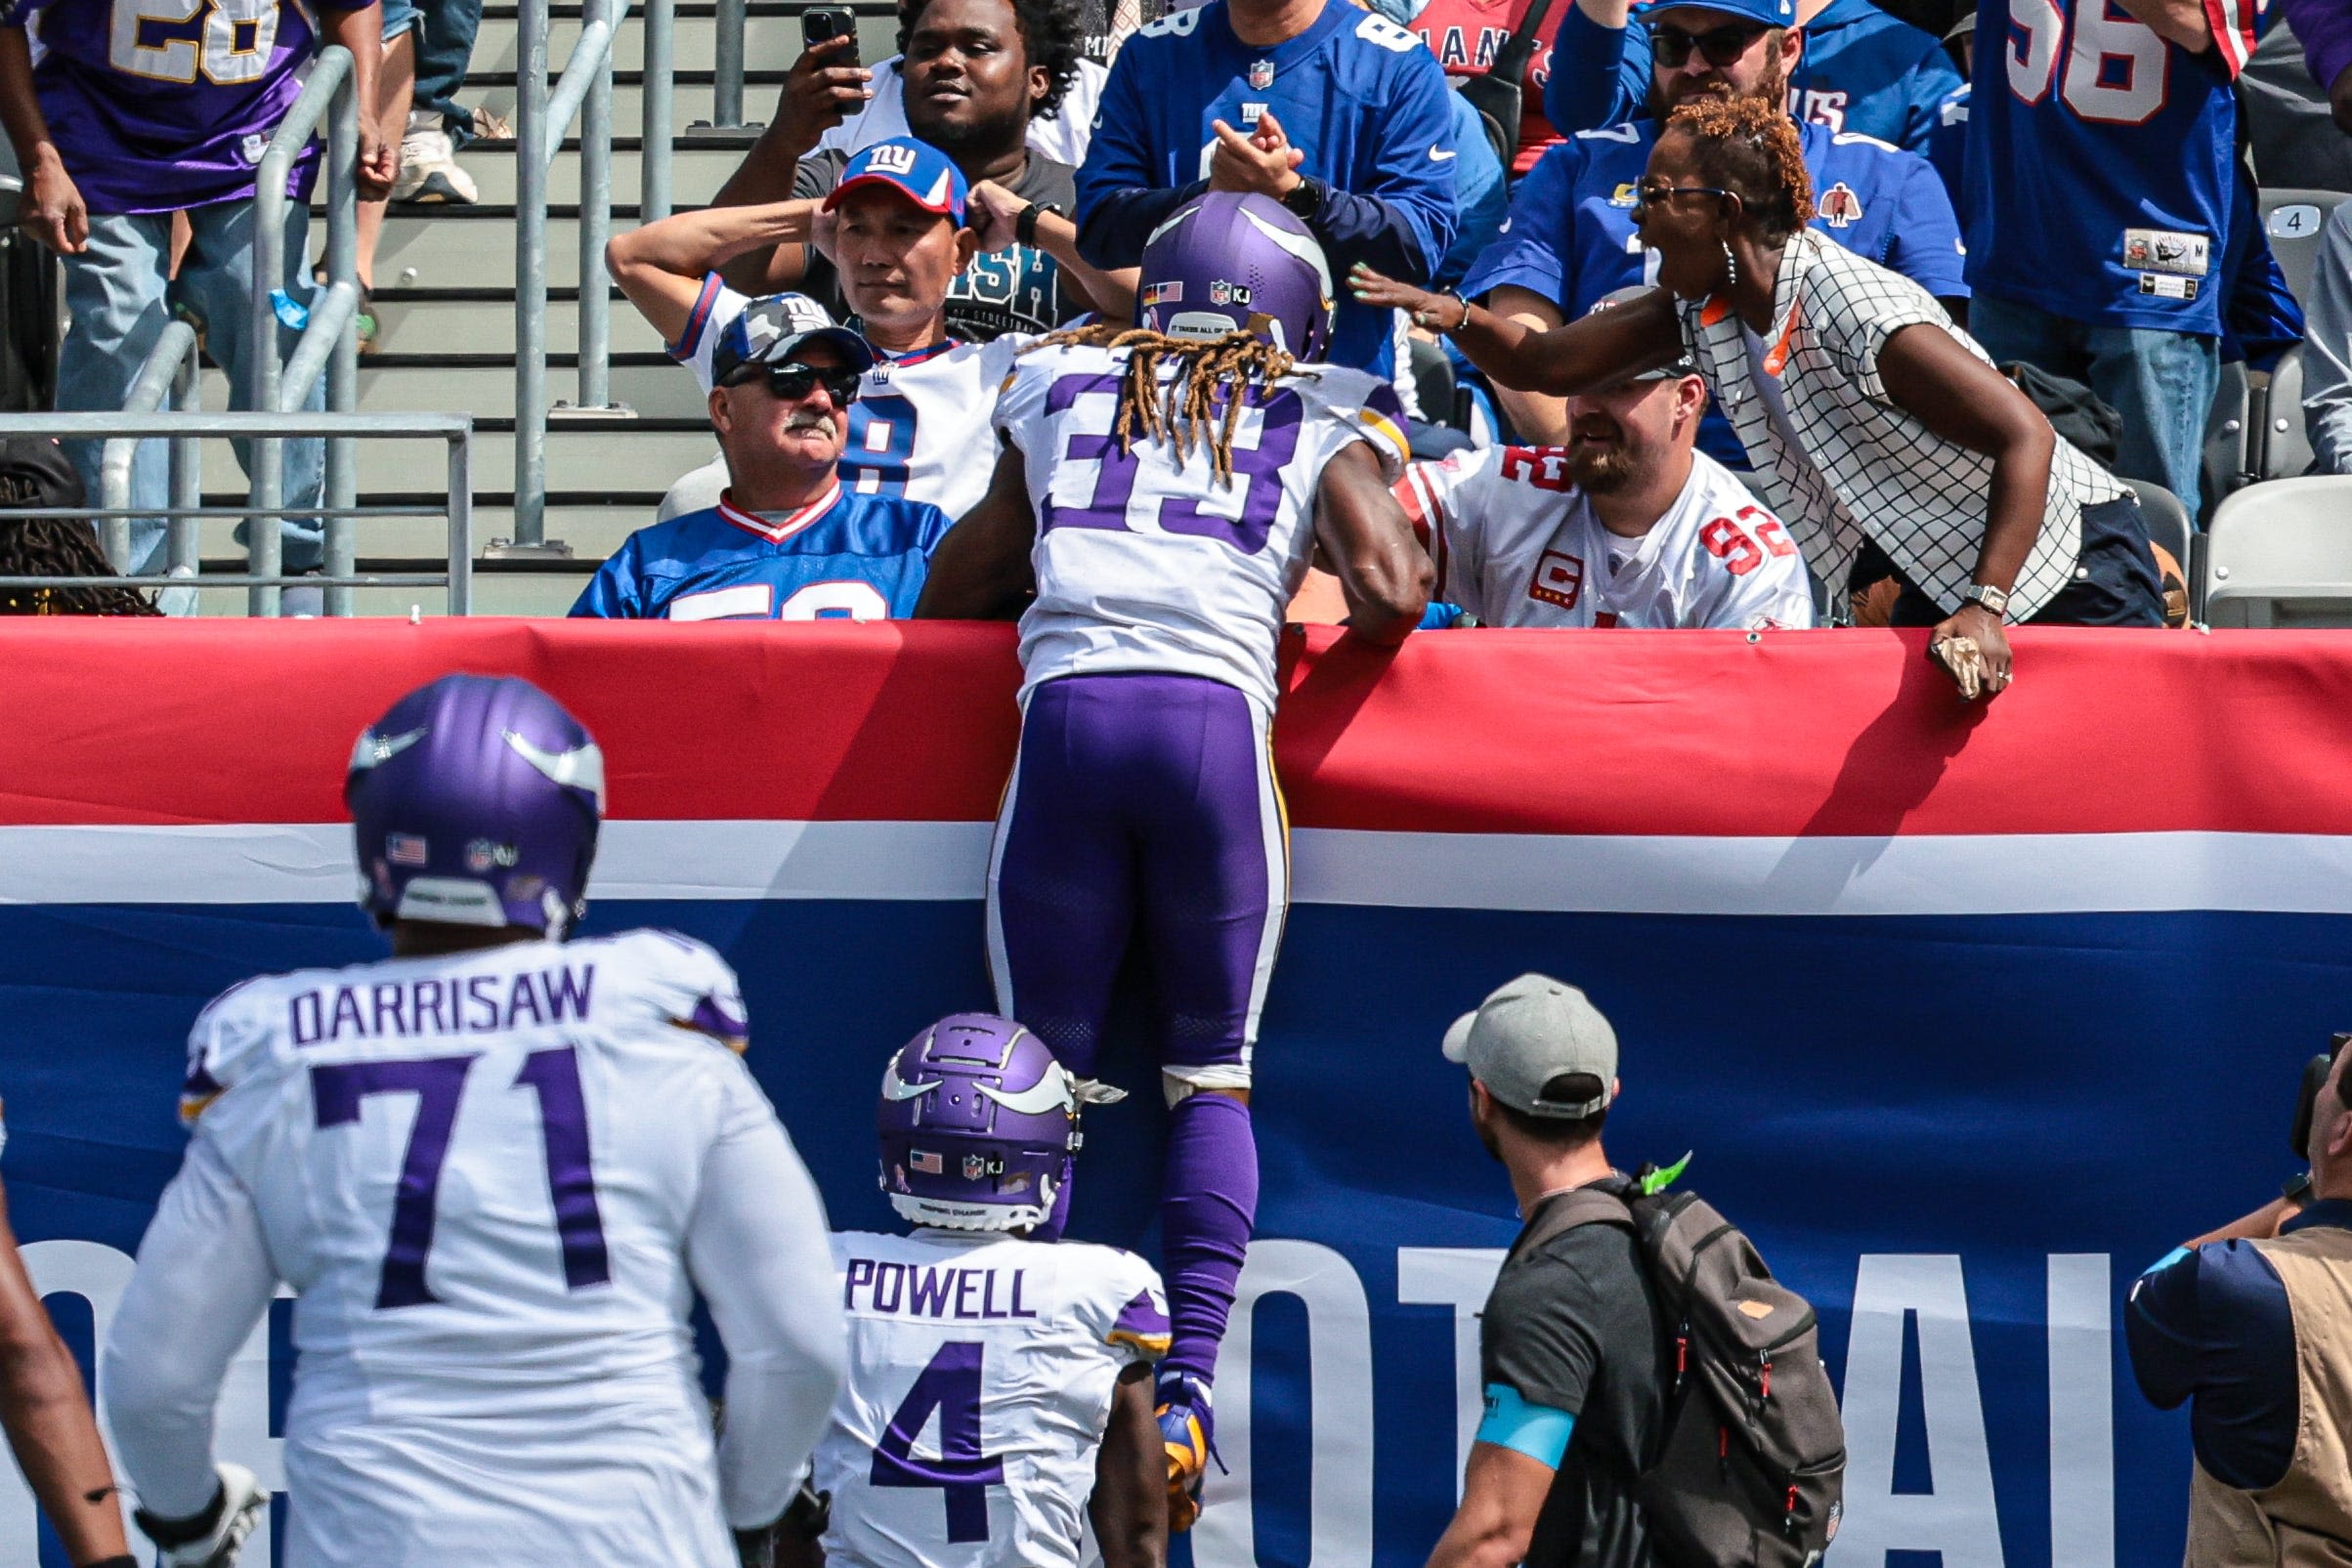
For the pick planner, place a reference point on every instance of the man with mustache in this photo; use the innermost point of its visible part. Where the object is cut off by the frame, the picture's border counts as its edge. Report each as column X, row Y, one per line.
column 786, row 540
column 1627, row 525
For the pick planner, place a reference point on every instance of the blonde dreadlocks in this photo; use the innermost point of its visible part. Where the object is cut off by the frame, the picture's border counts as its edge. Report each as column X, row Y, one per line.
column 1212, row 370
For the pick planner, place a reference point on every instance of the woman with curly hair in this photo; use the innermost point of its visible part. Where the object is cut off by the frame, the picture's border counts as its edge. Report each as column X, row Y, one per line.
column 1870, row 415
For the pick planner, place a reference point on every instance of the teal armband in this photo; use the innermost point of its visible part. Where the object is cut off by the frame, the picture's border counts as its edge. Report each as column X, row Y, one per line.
column 1536, row 1430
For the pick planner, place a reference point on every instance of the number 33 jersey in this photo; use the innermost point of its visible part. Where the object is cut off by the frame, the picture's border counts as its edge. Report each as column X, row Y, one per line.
column 1149, row 561
column 981, row 1369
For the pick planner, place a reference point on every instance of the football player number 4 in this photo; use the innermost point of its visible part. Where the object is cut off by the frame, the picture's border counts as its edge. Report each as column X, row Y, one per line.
column 950, row 1384
column 439, row 1082
column 234, row 45
column 2115, row 67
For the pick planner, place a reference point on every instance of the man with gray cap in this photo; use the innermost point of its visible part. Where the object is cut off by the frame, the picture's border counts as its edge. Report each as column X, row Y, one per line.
column 1628, row 525
column 1571, row 1348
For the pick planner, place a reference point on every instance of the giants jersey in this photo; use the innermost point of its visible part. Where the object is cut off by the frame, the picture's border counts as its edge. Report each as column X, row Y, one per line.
column 1146, row 561
column 478, row 1171
column 2100, row 162
column 159, row 105
column 1517, row 544
column 920, row 427
column 981, row 1369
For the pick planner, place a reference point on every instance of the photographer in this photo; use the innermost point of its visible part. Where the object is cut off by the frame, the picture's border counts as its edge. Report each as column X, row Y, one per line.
column 2252, row 1325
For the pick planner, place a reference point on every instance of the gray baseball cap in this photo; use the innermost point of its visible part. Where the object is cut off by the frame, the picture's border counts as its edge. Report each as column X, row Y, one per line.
column 1529, row 1032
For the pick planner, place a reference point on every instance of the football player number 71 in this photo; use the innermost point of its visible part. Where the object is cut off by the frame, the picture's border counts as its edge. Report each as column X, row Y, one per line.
column 437, row 1083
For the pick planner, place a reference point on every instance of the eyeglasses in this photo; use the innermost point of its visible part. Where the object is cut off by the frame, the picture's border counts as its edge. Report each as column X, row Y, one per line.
column 1657, row 196
column 795, row 381
column 1723, row 46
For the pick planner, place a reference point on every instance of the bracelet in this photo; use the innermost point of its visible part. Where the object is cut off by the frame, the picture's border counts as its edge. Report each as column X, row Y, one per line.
column 1427, row 319
column 1024, row 224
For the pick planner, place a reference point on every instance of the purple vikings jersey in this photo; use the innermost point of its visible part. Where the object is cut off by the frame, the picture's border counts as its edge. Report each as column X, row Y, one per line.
column 159, row 105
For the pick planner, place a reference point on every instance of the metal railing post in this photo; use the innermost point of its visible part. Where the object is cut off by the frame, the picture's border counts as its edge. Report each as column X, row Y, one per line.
column 660, row 77
column 727, row 91
column 342, row 478
column 169, row 366
column 530, row 274
column 461, row 524
column 595, row 377
column 188, row 474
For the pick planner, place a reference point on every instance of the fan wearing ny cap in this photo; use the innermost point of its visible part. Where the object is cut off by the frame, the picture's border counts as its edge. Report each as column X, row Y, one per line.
column 787, row 538
column 1627, row 525
column 1570, row 1342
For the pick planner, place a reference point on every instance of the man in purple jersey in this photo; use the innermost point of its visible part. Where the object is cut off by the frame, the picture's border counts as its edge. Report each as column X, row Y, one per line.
column 134, row 115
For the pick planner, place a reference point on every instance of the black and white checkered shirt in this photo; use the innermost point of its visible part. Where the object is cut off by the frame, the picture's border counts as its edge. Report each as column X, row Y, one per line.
column 1837, row 459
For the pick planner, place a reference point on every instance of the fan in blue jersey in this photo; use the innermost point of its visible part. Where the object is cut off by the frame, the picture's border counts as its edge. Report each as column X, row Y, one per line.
column 1346, row 123
column 786, row 540
column 2102, row 146
column 1571, row 238
column 1860, row 69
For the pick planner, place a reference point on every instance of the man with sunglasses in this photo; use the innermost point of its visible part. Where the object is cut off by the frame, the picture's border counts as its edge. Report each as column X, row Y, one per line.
column 787, row 540
column 1572, row 236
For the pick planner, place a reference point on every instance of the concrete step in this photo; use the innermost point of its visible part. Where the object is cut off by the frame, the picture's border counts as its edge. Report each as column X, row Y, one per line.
column 474, row 247
column 699, row 164
column 622, row 456
column 593, row 525
column 483, row 321
column 484, row 384
column 690, row 95
column 771, row 42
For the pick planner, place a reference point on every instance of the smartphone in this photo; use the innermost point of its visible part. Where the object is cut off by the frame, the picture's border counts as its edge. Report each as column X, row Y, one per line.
column 820, row 23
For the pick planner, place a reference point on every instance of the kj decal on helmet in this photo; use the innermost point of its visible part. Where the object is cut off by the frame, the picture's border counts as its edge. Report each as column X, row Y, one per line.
column 1233, row 261
column 475, row 801
column 978, row 1125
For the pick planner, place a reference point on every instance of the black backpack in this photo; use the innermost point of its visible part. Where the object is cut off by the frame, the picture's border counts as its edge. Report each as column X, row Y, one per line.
column 1750, row 1471
column 1497, row 95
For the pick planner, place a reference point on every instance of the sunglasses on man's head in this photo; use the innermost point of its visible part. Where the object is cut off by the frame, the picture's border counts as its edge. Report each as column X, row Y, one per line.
column 795, row 381
column 1723, row 46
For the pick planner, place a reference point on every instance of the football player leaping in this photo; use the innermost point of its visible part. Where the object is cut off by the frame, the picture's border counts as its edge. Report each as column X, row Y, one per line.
column 1160, row 492
column 1034, row 1358
column 494, row 1168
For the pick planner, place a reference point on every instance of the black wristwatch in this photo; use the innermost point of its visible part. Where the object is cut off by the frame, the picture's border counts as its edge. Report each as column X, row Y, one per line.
column 1306, row 199
column 2298, row 1188
column 1024, row 222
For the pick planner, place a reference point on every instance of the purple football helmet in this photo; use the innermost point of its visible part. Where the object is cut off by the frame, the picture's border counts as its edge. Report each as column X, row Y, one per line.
column 475, row 802
column 1228, row 261
column 978, row 1122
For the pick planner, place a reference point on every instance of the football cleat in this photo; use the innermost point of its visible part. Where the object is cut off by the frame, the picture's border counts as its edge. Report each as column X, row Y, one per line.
column 1187, row 1434
column 213, row 1538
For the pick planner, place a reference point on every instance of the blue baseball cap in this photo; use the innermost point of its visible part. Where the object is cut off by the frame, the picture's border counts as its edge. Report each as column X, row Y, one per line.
column 772, row 328
column 1768, row 12
column 916, row 170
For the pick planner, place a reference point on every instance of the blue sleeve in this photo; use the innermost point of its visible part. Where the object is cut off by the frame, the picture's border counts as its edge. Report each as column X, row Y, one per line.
column 611, row 594
column 1527, row 254
column 1403, row 219
column 1600, row 75
column 1924, row 88
column 932, row 528
column 1927, row 234
column 2261, row 320
column 1480, row 193
column 1947, row 144
column 1121, row 199
column 1538, row 1431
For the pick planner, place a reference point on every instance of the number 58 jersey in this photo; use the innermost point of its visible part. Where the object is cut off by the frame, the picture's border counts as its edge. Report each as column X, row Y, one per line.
column 981, row 1371
column 1148, row 560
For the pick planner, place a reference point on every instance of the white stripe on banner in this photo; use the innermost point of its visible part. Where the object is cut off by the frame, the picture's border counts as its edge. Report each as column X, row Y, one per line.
column 932, row 862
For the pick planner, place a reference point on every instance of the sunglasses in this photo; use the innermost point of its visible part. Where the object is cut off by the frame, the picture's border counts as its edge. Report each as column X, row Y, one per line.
column 795, row 381
column 1723, row 46
column 1657, row 196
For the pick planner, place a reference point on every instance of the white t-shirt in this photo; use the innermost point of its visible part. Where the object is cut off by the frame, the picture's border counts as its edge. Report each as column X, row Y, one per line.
column 1146, row 561
column 981, row 1369
column 1517, row 544
column 919, row 429
column 1063, row 138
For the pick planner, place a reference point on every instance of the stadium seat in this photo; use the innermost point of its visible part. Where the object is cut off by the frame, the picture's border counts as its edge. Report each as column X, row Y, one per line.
column 2280, row 555
column 2293, row 220
column 2285, row 446
column 2228, row 436
column 2168, row 522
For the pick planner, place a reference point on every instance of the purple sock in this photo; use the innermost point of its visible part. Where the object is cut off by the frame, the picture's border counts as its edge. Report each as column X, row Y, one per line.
column 1208, row 1202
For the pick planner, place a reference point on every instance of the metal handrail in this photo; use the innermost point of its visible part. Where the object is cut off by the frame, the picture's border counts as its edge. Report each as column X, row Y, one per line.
column 124, row 430
column 170, row 367
column 327, row 343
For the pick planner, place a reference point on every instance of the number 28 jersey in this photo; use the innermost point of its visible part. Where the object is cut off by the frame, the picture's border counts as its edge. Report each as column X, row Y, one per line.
column 1148, row 560
column 981, row 1371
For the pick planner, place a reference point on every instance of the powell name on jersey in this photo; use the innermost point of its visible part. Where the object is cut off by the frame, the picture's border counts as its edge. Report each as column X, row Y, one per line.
column 1148, row 561
column 981, row 1369
column 1517, row 544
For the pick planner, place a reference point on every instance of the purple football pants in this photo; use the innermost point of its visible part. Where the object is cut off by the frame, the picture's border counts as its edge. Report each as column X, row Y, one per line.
column 1145, row 805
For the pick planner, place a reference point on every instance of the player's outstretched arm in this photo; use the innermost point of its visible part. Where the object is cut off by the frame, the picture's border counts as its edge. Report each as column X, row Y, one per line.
column 662, row 265
column 1590, row 352
column 1130, row 1506
column 981, row 569
column 47, row 1414
column 1384, row 573
column 757, row 1250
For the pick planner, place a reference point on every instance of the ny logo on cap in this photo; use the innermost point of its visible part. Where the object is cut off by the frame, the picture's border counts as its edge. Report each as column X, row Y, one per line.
column 889, row 159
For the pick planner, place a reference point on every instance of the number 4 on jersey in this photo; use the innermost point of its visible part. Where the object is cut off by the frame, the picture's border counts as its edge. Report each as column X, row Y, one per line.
column 950, row 1384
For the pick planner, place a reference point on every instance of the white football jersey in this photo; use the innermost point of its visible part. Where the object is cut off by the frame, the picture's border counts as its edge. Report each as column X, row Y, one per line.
column 478, row 1171
column 1148, row 561
column 981, row 1369
column 1517, row 544
column 919, row 429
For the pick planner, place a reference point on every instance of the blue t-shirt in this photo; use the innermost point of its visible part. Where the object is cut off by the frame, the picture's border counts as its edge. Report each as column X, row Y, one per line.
column 842, row 557
column 2100, row 165
column 1571, row 236
column 1356, row 94
column 1862, row 70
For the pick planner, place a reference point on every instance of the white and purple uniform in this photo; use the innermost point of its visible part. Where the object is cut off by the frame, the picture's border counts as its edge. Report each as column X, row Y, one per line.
column 496, row 1181
column 981, row 1371
column 1517, row 543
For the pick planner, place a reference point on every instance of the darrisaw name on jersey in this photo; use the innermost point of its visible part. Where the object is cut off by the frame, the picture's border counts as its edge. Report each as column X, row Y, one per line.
column 912, row 1289
column 468, row 1005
